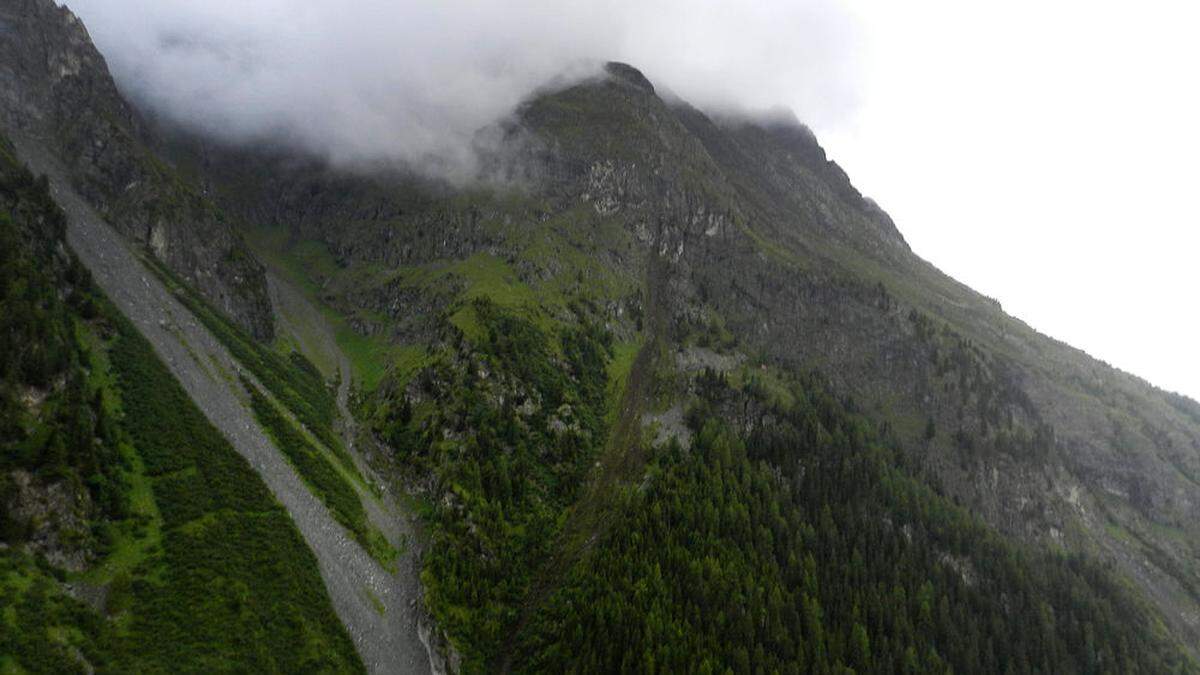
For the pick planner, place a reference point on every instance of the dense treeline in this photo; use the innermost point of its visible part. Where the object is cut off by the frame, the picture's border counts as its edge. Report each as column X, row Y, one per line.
column 808, row 547
column 506, row 429
column 50, row 427
column 234, row 585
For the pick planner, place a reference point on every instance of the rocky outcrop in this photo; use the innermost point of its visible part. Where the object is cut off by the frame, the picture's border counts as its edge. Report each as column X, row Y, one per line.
column 57, row 97
column 55, row 517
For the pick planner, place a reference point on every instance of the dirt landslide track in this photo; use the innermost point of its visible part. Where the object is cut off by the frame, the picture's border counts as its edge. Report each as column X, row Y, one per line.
column 378, row 608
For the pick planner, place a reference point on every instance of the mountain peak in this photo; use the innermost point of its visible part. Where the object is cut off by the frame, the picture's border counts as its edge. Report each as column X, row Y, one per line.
column 627, row 73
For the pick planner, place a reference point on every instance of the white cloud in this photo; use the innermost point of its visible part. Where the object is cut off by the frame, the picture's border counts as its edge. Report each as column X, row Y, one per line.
column 414, row 80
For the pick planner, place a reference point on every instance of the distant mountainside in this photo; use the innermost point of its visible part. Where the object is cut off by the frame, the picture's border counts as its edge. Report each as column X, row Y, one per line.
column 665, row 392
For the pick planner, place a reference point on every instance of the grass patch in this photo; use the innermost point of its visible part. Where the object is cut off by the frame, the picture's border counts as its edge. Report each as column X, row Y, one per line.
column 309, row 266
column 623, row 356
column 232, row 584
column 301, row 335
column 485, row 277
column 408, row 361
column 314, row 256
column 490, row 276
column 135, row 538
column 368, row 355
column 376, row 603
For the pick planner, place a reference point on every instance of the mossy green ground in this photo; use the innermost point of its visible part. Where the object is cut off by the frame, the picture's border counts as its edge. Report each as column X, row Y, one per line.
column 307, row 265
column 197, row 568
column 207, row 572
column 574, row 242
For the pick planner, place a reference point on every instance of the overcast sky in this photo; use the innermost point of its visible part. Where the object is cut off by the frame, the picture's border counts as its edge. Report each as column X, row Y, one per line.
column 1044, row 153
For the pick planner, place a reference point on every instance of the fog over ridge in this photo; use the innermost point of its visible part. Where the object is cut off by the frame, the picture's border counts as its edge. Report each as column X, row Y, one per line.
column 372, row 80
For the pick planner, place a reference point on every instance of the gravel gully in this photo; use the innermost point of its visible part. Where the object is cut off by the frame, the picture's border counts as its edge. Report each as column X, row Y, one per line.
column 388, row 640
column 297, row 315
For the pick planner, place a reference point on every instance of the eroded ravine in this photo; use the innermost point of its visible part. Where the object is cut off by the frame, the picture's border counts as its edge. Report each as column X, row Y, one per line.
column 377, row 607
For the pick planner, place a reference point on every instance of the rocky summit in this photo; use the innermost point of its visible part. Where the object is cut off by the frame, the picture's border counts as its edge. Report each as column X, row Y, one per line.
column 659, row 390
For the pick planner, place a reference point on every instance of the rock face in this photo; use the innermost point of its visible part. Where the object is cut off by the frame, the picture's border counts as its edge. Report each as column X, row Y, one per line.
column 57, row 99
column 759, row 228
column 56, row 517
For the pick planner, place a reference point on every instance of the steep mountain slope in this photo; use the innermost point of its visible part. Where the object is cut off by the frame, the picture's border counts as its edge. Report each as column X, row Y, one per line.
column 57, row 98
column 207, row 524
column 491, row 309
column 807, row 545
column 132, row 537
column 371, row 600
column 1050, row 445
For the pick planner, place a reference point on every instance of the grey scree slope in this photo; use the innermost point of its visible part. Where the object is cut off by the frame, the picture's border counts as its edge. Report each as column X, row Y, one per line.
column 387, row 642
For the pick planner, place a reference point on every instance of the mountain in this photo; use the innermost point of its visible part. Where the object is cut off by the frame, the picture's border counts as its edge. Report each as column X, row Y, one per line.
column 662, row 392
column 765, row 254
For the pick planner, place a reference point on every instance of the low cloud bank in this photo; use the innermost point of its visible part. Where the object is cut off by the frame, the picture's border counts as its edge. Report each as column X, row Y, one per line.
column 378, row 80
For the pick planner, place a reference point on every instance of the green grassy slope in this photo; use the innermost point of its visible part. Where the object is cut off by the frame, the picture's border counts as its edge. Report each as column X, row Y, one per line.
column 233, row 585
column 324, row 465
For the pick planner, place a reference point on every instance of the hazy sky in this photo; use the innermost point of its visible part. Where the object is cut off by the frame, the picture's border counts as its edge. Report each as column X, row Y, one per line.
column 1044, row 153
